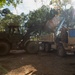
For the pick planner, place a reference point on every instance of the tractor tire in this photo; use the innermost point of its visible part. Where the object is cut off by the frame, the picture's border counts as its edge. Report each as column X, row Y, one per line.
column 46, row 47
column 61, row 51
column 32, row 47
column 4, row 48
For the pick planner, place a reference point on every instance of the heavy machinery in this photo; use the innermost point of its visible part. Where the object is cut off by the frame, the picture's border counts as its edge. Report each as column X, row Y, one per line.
column 63, row 47
column 62, row 39
column 14, row 37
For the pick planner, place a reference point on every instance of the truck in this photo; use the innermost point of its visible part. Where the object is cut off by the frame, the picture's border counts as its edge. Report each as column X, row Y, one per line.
column 12, row 38
column 67, row 47
column 15, row 37
column 63, row 44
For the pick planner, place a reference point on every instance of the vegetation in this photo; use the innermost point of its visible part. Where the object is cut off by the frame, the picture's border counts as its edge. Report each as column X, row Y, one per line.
column 4, row 71
column 36, row 18
column 8, row 18
column 9, row 2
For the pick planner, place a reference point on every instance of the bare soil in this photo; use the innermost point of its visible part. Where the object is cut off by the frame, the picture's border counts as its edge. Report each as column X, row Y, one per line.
column 20, row 63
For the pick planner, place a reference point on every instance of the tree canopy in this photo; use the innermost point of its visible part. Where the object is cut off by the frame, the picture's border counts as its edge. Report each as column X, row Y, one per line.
column 8, row 2
column 38, row 17
column 35, row 18
column 8, row 18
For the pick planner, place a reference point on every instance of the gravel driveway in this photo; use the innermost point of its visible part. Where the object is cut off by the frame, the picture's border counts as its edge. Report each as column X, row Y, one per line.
column 20, row 63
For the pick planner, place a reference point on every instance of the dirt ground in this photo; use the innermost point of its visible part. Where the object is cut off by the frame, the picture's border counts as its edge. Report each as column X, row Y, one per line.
column 20, row 63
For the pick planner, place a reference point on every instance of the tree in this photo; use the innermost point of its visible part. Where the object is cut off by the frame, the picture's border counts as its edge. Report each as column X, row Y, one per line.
column 8, row 2
column 9, row 18
column 38, row 17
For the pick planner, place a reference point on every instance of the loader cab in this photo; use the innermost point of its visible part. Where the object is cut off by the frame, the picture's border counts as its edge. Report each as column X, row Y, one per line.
column 15, row 29
column 15, row 35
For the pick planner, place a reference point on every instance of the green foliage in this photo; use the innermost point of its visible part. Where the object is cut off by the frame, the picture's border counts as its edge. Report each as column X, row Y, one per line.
column 8, row 2
column 11, row 19
column 3, row 69
column 38, row 17
column 59, row 1
column 2, row 2
column 5, row 12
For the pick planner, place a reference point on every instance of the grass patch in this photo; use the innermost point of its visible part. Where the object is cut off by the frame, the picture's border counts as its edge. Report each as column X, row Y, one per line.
column 3, row 70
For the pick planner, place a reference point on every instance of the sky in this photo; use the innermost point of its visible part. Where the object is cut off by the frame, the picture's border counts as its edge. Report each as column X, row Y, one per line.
column 30, row 5
column 27, row 5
